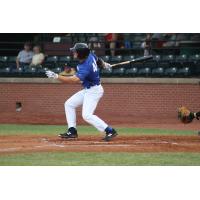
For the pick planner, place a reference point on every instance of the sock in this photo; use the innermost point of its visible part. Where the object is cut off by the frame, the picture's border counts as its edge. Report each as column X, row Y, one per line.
column 108, row 129
column 198, row 114
column 72, row 130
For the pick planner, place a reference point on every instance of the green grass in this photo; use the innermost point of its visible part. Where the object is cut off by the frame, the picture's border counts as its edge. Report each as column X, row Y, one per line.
column 85, row 159
column 101, row 159
column 12, row 129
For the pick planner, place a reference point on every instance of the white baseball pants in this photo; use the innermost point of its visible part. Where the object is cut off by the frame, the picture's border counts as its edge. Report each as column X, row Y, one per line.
column 89, row 98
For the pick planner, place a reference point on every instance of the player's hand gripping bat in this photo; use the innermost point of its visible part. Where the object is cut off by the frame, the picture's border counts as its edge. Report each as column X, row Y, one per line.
column 140, row 59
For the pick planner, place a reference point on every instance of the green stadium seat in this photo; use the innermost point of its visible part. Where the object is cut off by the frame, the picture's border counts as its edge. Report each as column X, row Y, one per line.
column 52, row 59
column 17, row 71
column 3, row 61
column 106, row 72
column 170, row 72
column 3, row 58
column 127, row 58
column 64, row 59
column 181, row 60
column 168, row 58
column 30, row 70
column 194, row 58
column 116, row 59
column 157, row 58
column 157, row 72
column 106, row 58
column 150, row 64
column 131, row 72
column 57, row 70
column 12, row 59
column 118, row 71
column 5, row 71
column 146, row 71
column 185, row 71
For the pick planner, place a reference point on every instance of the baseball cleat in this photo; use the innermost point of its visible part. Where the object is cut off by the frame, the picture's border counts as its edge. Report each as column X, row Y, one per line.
column 110, row 135
column 70, row 134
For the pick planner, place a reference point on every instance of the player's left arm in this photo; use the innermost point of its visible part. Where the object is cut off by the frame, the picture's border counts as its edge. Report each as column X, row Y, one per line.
column 70, row 79
column 64, row 79
column 101, row 63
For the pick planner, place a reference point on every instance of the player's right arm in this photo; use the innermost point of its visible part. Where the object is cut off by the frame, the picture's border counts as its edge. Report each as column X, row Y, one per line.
column 64, row 79
column 79, row 77
column 70, row 79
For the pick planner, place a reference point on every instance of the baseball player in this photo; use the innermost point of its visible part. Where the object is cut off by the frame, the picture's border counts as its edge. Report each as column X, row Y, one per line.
column 89, row 96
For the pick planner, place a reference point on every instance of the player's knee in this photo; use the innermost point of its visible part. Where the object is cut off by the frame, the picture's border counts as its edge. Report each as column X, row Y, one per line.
column 67, row 104
column 86, row 116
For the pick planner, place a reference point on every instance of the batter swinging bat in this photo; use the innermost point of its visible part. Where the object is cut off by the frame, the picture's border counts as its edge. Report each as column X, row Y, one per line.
column 140, row 59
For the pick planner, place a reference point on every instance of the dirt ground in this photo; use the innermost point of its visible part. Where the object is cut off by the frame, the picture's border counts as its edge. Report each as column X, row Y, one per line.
column 154, row 143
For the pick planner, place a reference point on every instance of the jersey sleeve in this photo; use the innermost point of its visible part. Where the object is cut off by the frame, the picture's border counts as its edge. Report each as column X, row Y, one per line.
column 82, row 73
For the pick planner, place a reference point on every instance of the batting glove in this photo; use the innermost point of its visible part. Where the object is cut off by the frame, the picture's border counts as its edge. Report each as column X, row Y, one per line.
column 51, row 74
column 107, row 65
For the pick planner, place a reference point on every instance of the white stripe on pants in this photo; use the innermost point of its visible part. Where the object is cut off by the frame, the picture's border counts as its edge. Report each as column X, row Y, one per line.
column 89, row 98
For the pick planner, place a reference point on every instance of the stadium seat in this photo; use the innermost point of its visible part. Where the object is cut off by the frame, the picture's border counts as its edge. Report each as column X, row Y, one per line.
column 181, row 58
column 106, row 58
column 164, row 64
column 185, row 71
column 157, row 58
column 157, row 72
column 12, row 61
column 150, row 64
column 49, row 65
column 41, row 71
column 127, row 58
column 30, row 70
column 3, row 61
column 194, row 58
column 17, row 71
column 131, row 72
column 118, row 71
column 168, row 58
column 116, row 59
column 146, row 71
column 137, row 65
column 170, row 72
column 64, row 59
column 50, row 62
column 57, row 70
column 52, row 59
column 5, row 71
column 106, row 72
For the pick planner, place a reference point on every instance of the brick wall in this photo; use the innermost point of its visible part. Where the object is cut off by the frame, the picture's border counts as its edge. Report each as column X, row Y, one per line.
column 122, row 103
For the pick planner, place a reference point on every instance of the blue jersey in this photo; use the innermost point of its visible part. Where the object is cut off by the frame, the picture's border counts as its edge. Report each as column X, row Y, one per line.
column 88, row 72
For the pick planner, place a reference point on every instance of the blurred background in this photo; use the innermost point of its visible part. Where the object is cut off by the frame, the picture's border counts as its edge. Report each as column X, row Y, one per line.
column 29, row 55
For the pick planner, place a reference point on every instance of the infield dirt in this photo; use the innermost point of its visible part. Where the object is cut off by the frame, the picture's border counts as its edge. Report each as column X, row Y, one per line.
column 154, row 143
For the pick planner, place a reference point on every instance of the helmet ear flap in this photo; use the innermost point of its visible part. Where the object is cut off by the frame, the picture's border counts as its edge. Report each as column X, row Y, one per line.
column 83, row 53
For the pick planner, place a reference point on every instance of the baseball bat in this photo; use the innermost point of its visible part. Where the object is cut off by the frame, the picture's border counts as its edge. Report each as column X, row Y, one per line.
column 140, row 59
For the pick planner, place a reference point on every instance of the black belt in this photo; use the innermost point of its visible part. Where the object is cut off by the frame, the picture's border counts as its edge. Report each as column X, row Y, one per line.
column 88, row 87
